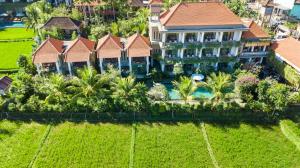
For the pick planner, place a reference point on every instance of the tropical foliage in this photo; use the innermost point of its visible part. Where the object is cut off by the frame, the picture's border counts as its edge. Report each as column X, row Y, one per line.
column 185, row 87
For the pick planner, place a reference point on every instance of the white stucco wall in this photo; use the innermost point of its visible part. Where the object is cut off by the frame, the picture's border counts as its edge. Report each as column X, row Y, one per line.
column 286, row 3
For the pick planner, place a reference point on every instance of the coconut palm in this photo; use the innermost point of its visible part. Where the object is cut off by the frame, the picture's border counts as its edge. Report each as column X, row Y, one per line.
column 128, row 95
column 89, row 89
column 185, row 87
column 220, row 85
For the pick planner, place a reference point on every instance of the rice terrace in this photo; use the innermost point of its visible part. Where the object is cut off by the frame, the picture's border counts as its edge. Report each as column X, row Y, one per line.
column 176, row 144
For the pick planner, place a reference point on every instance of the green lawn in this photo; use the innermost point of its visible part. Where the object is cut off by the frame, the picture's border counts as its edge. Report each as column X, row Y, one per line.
column 252, row 146
column 16, row 33
column 19, row 143
column 86, row 145
column 163, row 145
column 10, row 52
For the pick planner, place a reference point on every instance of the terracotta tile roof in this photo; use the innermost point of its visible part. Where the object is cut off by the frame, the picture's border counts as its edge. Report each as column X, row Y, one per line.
column 80, row 50
column 109, row 47
column 199, row 14
column 297, row 1
column 5, row 83
column 289, row 50
column 48, row 51
column 62, row 23
column 138, row 46
column 156, row 2
column 255, row 31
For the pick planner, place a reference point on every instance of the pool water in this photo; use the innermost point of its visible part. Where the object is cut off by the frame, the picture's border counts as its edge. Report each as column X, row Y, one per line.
column 199, row 93
column 11, row 25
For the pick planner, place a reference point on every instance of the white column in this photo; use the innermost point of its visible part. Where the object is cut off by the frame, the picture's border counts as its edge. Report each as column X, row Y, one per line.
column 199, row 36
column 196, row 53
column 261, row 60
column 101, row 65
column 179, row 37
column 147, row 65
column 219, row 51
column 178, row 52
column 162, row 65
column 236, row 51
column 220, row 36
column 181, row 53
column 216, row 66
column 119, row 63
column 252, row 49
column 250, row 60
column 58, row 67
column 200, row 53
column 70, row 68
column 202, row 37
column 265, row 48
column 164, row 37
column 183, row 37
column 163, row 53
column 39, row 68
column 88, row 63
column 130, row 65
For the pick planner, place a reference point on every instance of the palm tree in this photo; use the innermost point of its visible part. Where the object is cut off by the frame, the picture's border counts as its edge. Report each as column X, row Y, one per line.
column 185, row 87
column 220, row 85
column 128, row 95
column 90, row 89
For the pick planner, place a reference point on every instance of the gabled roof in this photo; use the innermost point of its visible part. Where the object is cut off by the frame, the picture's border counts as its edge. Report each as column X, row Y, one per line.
column 48, row 51
column 79, row 50
column 289, row 50
column 254, row 31
column 138, row 46
column 109, row 47
column 156, row 2
column 199, row 14
column 5, row 83
column 109, row 38
column 62, row 23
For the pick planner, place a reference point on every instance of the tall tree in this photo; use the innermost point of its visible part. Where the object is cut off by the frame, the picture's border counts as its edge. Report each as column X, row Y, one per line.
column 185, row 88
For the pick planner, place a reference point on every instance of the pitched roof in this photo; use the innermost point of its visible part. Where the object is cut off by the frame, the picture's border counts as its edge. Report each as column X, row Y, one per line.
column 138, row 46
column 62, row 23
column 289, row 49
column 156, row 2
column 255, row 31
column 48, row 51
column 79, row 50
column 199, row 14
column 5, row 83
column 109, row 47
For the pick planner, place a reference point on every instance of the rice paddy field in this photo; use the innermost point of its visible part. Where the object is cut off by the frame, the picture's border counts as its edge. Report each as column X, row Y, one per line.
column 10, row 52
column 16, row 33
column 142, row 145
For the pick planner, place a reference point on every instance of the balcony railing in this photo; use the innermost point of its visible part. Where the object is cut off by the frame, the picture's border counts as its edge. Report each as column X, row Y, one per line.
column 250, row 54
column 196, row 44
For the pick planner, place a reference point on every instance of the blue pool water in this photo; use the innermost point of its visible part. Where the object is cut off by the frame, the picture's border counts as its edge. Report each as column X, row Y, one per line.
column 4, row 25
column 199, row 93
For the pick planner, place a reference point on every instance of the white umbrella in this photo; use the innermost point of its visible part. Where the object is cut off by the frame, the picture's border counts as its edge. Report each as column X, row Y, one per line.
column 197, row 77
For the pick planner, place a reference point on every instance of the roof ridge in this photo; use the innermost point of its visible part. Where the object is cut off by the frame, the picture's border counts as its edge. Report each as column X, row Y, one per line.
column 172, row 12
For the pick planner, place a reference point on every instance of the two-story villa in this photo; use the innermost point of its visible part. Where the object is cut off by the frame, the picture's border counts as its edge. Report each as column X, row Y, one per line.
column 195, row 34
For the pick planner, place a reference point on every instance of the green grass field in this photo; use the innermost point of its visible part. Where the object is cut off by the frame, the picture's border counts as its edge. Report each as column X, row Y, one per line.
column 10, row 52
column 19, row 143
column 86, row 145
column 179, row 145
column 16, row 33
column 154, row 145
column 252, row 146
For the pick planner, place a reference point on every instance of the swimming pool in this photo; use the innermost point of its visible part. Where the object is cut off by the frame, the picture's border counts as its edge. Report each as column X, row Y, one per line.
column 199, row 93
column 4, row 25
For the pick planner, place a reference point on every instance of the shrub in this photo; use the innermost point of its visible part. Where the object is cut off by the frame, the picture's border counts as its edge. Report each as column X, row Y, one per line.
column 158, row 93
column 246, row 87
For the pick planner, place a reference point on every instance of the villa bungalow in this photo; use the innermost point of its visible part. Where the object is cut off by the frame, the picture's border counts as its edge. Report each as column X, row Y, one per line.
column 68, row 25
column 5, row 83
column 48, row 56
column 138, row 50
column 79, row 54
column 287, row 51
column 256, row 43
column 109, row 50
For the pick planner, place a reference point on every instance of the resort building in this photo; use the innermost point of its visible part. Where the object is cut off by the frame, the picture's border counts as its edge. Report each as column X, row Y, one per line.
column 195, row 34
column 79, row 54
column 287, row 51
column 5, row 83
column 49, row 56
column 265, row 9
column 109, row 51
column 138, row 50
column 256, row 43
column 68, row 25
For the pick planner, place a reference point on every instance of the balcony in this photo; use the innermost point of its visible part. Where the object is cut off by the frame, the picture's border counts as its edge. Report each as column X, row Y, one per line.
column 255, row 54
